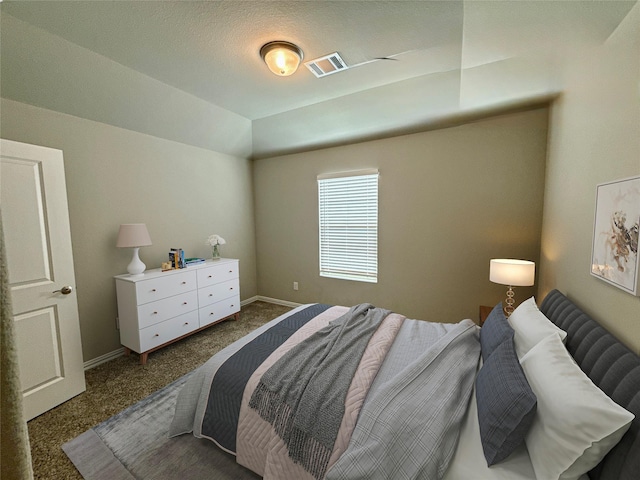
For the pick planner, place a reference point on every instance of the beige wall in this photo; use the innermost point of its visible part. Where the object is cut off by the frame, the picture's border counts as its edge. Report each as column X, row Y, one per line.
column 594, row 138
column 449, row 201
column 183, row 194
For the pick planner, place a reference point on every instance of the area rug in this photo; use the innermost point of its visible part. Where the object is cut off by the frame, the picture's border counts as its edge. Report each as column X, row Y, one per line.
column 134, row 444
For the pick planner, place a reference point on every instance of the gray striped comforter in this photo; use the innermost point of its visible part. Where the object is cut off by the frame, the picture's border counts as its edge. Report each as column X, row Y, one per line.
column 409, row 425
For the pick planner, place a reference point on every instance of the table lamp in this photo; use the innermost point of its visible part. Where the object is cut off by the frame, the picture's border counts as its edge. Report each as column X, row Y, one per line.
column 134, row 235
column 514, row 273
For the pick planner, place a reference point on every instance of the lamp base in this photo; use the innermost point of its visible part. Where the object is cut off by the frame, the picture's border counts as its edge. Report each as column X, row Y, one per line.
column 136, row 267
column 508, row 309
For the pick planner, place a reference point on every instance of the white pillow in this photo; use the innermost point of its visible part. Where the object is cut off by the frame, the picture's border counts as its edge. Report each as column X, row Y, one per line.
column 576, row 423
column 531, row 326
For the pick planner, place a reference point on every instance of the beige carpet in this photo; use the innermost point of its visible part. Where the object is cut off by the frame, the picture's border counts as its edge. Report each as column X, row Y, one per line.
column 118, row 384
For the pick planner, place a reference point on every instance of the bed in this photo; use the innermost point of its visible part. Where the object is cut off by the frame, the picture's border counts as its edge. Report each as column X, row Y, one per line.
column 343, row 393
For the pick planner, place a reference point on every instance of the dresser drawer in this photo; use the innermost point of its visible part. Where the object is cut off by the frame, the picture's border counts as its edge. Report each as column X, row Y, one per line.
column 161, row 310
column 219, row 310
column 217, row 292
column 217, row 274
column 162, row 287
column 168, row 330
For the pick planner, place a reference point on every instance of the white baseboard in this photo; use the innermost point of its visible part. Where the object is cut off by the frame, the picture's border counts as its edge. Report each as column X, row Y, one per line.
column 103, row 358
column 119, row 352
column 255, row 298
column 286, row 303
column 275, row 301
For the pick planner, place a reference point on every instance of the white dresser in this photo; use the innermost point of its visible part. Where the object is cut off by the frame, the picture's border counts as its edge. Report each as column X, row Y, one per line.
column 158, row 308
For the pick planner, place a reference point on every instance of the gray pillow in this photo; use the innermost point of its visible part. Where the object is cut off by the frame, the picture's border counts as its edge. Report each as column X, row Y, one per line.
column 506, row 403
column 495, row 330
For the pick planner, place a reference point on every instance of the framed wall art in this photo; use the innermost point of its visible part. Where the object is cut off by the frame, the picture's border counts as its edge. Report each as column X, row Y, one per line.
column 614, row 256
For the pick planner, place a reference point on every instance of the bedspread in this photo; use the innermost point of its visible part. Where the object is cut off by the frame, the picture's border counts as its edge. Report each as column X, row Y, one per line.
column 212, row 413
column 390, row 414
column 302, row 396
column 262, row 450
column 409, row 426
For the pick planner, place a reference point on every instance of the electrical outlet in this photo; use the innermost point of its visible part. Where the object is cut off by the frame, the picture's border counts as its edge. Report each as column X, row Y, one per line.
column 295, row 285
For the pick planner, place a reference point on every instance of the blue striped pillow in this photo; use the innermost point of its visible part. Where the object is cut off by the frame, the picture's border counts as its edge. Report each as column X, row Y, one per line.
column 506, row 403
column 495, row 330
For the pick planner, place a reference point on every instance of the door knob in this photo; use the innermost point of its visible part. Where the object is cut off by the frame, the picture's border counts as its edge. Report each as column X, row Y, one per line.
column 66, row 290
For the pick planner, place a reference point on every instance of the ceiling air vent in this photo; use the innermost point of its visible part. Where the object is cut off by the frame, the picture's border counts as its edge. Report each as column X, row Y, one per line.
column 323, row 66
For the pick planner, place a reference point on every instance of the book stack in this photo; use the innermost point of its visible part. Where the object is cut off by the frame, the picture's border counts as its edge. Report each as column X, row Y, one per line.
column 189, row 262
column 176, row 257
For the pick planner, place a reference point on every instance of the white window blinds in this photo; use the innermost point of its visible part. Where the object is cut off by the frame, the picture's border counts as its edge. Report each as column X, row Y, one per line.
column 349, row 225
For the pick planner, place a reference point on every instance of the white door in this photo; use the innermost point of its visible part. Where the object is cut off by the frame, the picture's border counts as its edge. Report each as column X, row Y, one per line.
column 35, row 218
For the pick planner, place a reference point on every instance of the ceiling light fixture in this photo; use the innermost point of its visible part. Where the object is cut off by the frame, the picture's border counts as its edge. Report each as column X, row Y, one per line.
column 281, row 57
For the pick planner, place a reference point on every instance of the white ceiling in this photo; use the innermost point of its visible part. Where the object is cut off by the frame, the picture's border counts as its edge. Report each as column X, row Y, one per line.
column 455, row 51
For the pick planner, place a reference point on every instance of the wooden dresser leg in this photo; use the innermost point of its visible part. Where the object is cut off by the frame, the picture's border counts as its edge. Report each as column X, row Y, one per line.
column 127, row 351
column 143, row 358
column 236, row 316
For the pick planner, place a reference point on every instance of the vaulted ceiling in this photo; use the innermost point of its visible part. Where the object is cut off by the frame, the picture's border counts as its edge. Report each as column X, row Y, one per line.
column 412, row 64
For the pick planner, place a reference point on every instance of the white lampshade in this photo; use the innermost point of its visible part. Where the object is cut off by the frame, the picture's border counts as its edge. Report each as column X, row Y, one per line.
column 134, row 235
column 515, row 273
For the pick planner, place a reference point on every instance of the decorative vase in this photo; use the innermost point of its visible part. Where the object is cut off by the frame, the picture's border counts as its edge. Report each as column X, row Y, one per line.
column 215, row 252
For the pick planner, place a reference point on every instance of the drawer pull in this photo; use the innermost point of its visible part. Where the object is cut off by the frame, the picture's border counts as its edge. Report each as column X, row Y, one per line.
column 211, row 294
column 153, row 290
column 155, row 313
column 230, row 271
column 210, row 276
column 211, row 313
column 186, row 323
column 157, row 335
column 230, row 288
column 184, row 283
column 184, row 303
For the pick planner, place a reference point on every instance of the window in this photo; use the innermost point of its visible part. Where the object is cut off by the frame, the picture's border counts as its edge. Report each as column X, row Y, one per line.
column 348, row 220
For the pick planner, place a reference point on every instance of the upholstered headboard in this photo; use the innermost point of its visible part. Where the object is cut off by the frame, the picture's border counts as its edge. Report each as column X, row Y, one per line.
column 611, row 366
